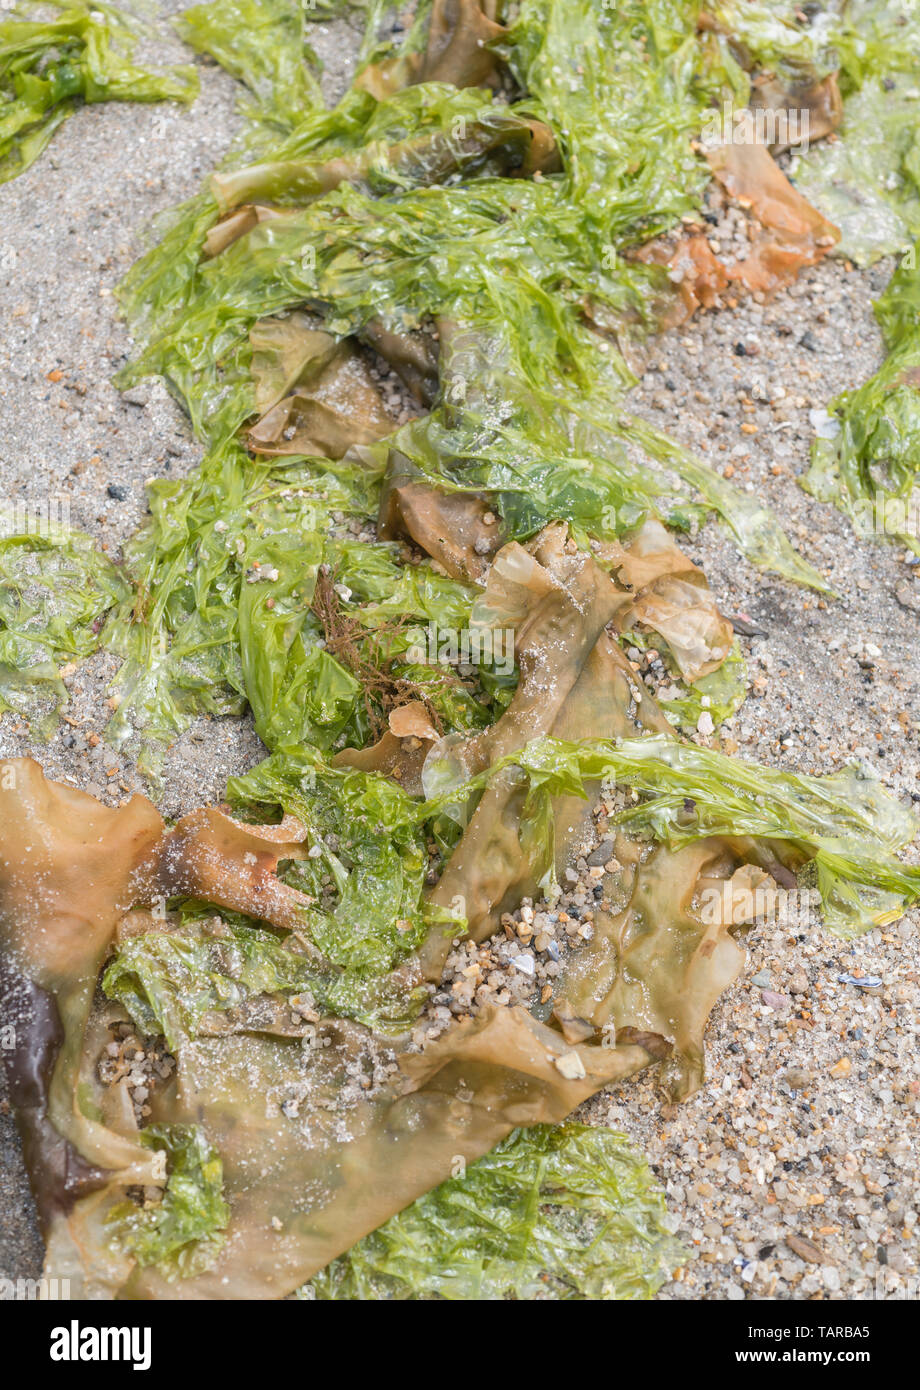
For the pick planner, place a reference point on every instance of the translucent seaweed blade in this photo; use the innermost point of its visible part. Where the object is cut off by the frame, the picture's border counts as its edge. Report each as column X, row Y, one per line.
column 568, row 1212
column 845, row 823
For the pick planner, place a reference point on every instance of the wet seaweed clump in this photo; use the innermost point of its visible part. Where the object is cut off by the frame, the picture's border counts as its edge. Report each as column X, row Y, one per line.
column 437, row 616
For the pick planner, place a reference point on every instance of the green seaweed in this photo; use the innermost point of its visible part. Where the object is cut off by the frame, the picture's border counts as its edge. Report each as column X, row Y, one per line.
column 720, row 693
column 417, row 211
column 225, row 573
column 557, row 1212
column 866, row 461
column 512, row 261
column 263, row 44
column 844, row 823
column 867, row 464
column 183, row 1232
column 49, row 67
column 168, row 979
column 367, row 879
column 56, row 589
column 868, row 180
column 859, row 39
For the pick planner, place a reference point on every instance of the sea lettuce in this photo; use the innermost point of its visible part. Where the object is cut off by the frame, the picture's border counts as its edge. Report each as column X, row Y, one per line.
column 49, row 67
column 56, row 589
column 477, row 197
column 858, row 38
column 845, row 823
column 720, row 693
column 626, row 88
column 562, row 1212
column 167, row 980
column 512, row 261
column 225, row 574
column 865, row 180
column 182, row 1233
column 868, row 180
column 263, row 44
column 867, row 463
column 367, row 875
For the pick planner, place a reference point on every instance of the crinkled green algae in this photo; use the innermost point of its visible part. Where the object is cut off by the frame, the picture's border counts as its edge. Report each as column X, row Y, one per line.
column 868, row 461
column 49, row 67
column 56, row 590
column 561, row 1212
column 182, row 1233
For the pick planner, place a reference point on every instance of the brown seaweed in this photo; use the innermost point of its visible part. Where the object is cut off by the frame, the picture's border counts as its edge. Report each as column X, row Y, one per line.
column 315, row 393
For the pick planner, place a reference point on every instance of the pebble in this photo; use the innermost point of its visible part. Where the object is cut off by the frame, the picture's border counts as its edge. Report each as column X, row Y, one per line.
column 908, row 596
column 571, row 1066
column 601, row 855
column 773, row 1000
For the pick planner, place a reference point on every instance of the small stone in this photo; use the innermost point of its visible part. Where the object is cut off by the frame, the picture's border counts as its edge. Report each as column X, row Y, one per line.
column 796, row 1078
column 908, row 596
column 571, row 1066
column 774, row 1001
column 117, row 491
column 602, row 855
column 806, row 1249
column 842, row 1068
